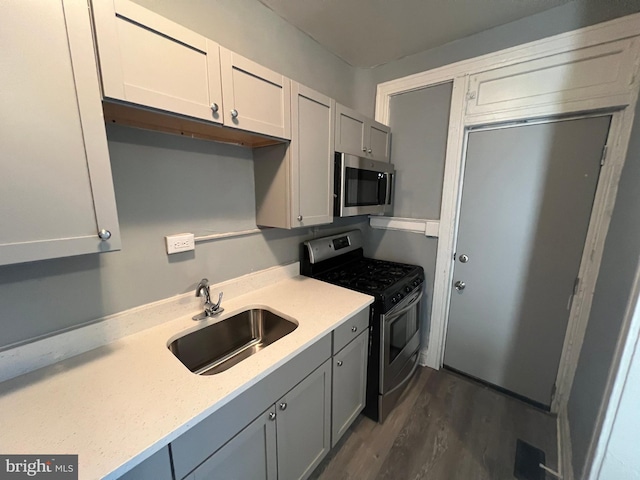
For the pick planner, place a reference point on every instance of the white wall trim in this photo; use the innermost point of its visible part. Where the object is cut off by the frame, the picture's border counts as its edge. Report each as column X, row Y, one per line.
column 619, row 134
column 452, row 189
column 619, row 103
column 565, row 455
column 623, row 27
column 428, row 228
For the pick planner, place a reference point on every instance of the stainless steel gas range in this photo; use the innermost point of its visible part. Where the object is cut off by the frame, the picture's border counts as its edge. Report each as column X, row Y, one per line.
column 394, row 317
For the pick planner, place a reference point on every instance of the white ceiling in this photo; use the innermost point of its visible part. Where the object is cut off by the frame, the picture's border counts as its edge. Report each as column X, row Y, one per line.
column 366, row 33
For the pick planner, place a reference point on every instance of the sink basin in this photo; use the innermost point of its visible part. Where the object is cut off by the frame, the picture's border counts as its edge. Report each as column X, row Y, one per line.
column 220, row 346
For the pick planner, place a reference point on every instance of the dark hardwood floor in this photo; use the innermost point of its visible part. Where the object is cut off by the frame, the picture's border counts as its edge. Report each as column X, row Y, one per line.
column 447, row 427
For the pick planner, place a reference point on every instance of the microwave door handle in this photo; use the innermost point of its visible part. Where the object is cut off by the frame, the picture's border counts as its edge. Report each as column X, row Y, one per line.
column 387, row 200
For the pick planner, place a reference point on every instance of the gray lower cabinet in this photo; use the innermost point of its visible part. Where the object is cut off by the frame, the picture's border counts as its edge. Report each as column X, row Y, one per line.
column 349, row 384
column 251, row 454
column 287, row 441
column 156, row 467
column 304, row 425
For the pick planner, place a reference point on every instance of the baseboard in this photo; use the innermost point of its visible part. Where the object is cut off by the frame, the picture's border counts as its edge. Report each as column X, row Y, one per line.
column 422, row 359
column 565, row 465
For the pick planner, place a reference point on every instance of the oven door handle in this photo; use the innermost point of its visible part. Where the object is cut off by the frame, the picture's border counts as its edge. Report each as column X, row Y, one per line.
column 409, row 306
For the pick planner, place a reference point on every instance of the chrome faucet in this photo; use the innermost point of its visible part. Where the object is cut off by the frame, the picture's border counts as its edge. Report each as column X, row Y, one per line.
column 210, row 309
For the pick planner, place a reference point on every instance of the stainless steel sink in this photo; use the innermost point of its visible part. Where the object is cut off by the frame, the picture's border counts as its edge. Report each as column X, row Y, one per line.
column 220, row 346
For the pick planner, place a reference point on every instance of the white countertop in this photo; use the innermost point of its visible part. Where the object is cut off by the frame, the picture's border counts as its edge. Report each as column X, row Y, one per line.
column 116, row 405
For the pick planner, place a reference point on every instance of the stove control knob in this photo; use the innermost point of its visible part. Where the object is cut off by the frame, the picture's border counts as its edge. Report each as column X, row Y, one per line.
column 407, row 289
column 394, row 300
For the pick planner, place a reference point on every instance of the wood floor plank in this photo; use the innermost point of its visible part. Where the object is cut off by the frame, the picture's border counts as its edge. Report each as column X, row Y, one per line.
column 446, row 427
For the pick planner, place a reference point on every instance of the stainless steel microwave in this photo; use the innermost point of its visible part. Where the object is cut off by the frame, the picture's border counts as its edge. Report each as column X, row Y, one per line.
column 362, row 186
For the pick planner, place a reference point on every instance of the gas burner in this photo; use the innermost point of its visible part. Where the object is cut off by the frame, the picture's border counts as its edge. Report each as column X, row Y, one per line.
column 364, row 284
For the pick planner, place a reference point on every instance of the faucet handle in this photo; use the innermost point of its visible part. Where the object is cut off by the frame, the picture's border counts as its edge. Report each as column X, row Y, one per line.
column 216, row 307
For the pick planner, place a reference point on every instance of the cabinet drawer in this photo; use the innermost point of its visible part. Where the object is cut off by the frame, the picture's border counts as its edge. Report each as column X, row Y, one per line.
column 349, row 330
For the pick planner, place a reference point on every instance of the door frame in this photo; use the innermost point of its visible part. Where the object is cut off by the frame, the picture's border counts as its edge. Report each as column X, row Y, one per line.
column 620, row 104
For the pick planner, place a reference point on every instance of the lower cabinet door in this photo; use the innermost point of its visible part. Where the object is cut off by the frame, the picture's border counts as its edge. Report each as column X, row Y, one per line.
column 304, row 423
column 249, row 455
column 349, row 385
column 156, row 467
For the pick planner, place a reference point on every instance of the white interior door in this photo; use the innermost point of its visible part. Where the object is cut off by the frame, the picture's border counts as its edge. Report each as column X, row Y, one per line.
column 526, row 203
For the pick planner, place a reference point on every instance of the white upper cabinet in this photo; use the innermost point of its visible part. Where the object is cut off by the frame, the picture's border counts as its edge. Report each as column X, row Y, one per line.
column 56, row 185
column 148, row 60
column 255, row 98
column 362, row 136
column 294, row 183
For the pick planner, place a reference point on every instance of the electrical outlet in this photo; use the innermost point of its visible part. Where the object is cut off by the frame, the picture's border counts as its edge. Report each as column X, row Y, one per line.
column 181, row 242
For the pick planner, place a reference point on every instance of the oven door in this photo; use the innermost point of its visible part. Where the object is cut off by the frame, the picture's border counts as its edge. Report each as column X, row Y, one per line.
column 363, row 186
column 400, row 340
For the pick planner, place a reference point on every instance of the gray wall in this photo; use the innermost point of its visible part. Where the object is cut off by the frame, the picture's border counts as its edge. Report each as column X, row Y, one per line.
column 419, row 121
column 166, row 184
column 613, row 289
column 573, row 15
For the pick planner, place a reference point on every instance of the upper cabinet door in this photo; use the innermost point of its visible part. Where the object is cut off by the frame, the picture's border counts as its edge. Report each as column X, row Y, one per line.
column 56, row 185
column 360, row 135
column 379, row 136
column 148, row 60
column 312, row 156
column 255, row 98
column 350, row 131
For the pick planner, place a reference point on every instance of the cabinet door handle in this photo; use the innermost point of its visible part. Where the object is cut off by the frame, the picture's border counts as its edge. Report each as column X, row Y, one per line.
column 104, row 234
column 272, row 416
column 234, row 113
column 369, row 151
column 299, row 218
column 283, row 406
column 214, row 107
column 339, row 363
column 354, row 329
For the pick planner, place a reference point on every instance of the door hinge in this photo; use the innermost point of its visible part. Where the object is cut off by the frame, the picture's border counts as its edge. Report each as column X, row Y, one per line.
column 576, row 283
column 604, row 154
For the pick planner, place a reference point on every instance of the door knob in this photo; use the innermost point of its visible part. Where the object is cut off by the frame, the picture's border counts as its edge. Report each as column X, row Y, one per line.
column 272, row 416
column 234, row 113
column 464, row 258
column 459, row 285
column 283, row 406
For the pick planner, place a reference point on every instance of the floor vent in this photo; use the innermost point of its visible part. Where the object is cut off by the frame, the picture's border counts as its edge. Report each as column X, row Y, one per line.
column 528, row 460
